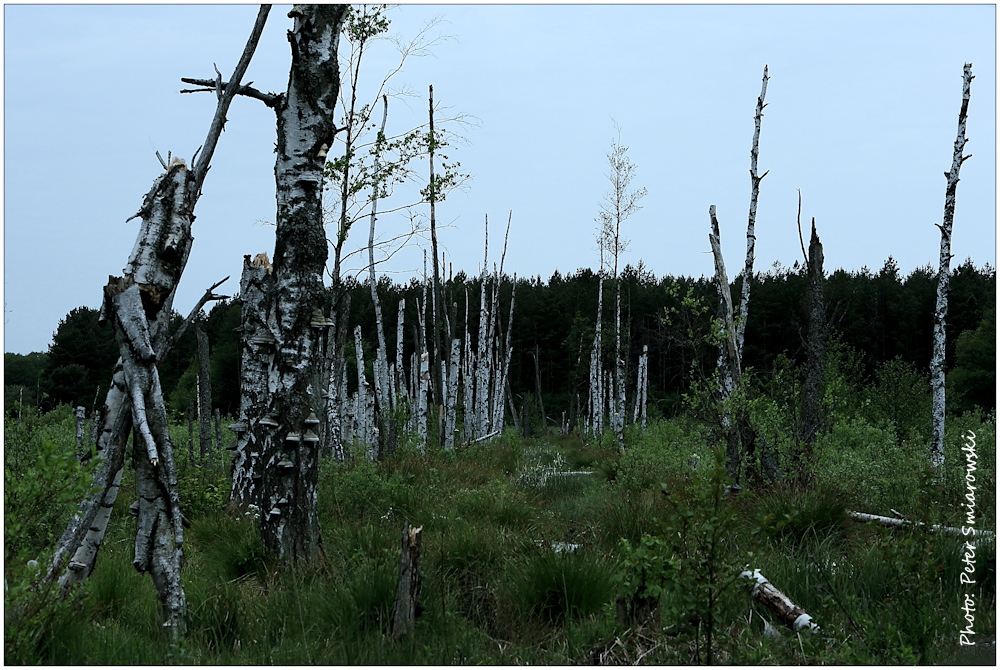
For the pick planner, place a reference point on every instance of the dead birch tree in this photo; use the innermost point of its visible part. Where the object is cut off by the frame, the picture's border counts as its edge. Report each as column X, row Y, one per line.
column 305, row 133
column 204, row 397
column 728, row 367
column 618, row 206
column 815, row 348
column 596, row 400
column 741, row 322
column 944, row 270
column 140, row 305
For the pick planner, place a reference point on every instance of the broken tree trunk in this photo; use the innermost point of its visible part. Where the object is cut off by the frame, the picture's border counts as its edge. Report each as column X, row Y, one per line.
column 204, row 398
column 755, row 180
column 256, row 354
column 504, row 370
column 405, row 608
column 788, row 612
column 305, row 132
column 815, row 348
column 159, row 537
column 944, row 269
column 728, row 366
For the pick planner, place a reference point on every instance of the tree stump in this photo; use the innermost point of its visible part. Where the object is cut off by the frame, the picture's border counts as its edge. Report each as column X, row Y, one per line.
column 405, row 609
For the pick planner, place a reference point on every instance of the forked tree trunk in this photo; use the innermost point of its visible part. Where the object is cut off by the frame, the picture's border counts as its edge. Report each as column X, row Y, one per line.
column 729, row 359
column 204, row 397
column 305, row 132
column 944, row 270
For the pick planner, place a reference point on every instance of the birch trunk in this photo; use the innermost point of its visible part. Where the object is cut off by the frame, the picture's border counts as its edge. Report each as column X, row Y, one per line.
column 641, row 384
column 436, row 298
column 399, row 382
column 619, row 404
column 482, row 361
column 204, row 398
column 305, row 132
column 944, row 270
column 729, row 372
column 468, row 382
column 755, row 180
column 596, row 401
column 768, row 595
column 336, row 393
column 256, row 355
column 159, row 537
column 452, row 394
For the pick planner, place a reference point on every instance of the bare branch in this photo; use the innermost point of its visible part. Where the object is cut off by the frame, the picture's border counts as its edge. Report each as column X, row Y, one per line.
column 798, row 221
column 219, row 121
column 208, row 297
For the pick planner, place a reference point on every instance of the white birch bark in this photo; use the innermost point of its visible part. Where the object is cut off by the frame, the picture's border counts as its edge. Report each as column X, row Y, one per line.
column 423, row 384
column 482, row 360
column 399, row 381
column 768, row 595
column 363, row 416
column 641, row 384
column 382, row 389
column 731, row 374
column 159, row 537
column 619, row 377
column 755, row 180
column 452, row 394
column 305, row 133
column 468, row 381
column 944, row 270
column 596, row 400
column 255, row 360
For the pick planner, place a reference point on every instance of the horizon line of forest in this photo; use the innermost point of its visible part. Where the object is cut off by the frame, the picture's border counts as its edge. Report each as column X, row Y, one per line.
column 880, row 316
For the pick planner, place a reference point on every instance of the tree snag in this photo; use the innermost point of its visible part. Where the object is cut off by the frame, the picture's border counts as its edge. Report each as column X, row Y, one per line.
column 944, row 269
column 405, row 608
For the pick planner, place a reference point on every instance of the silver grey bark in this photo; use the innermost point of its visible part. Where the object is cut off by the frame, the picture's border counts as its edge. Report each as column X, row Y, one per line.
column 944, row 269
column 204, row 397
column 305, row 133
column 755, row 180
column 256, row 354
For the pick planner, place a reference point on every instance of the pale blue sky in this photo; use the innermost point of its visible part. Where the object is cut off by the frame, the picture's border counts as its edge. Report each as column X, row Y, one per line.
column 863, row 105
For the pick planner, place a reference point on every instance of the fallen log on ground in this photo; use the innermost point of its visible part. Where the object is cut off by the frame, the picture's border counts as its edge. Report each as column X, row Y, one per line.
column 788, row 612
column 935, row 528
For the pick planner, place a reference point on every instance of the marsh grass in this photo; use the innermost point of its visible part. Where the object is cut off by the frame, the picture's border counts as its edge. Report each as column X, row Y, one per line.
column 496, row 591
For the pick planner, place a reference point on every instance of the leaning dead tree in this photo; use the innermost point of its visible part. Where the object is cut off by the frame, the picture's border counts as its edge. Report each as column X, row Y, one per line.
column 139, row 304
column 944, row 269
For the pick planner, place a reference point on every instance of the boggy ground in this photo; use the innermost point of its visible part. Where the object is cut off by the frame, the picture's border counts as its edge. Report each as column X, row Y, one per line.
column 522, row 563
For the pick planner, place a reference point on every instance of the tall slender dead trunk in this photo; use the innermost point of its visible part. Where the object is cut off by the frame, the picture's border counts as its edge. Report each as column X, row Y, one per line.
column 944, row 270
column 815, row 348
column 755, row 180
column 436, row 301
column 305, row 133
column 80, row 413
column 452, row 394
column 204, row 397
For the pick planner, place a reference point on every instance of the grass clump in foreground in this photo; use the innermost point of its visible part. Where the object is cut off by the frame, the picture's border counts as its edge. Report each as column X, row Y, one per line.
column 637, row 562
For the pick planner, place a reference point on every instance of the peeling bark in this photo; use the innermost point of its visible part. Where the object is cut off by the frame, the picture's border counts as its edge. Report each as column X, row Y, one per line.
column 788, row 612
column 452, row 394
column 256, row 354
column 944, row 269
column 305, row 132
column 596, row 400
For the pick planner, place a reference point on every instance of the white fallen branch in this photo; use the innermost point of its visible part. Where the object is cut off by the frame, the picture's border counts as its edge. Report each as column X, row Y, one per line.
column 935, row 528
column 768, row 595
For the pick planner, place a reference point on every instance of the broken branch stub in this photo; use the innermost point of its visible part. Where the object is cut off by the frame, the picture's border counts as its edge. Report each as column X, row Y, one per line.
column 405, row 608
